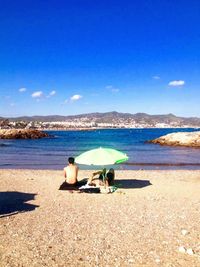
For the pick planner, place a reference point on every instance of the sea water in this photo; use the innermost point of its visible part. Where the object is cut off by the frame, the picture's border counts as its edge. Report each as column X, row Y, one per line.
column 52, row 153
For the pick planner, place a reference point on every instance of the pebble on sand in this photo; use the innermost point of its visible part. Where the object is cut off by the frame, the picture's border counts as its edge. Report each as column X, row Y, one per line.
column 182, row 249
column 184, row 232
column 190, row 251
column 157, row 260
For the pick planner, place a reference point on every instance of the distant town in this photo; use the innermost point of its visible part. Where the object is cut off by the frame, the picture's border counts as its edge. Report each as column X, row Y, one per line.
column 99, row 121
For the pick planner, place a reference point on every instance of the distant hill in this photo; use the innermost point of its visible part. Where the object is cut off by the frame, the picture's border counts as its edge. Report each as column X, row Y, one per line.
column 111, row 117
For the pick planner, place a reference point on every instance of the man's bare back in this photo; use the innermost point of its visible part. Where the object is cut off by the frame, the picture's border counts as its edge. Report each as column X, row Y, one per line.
column 71, row 172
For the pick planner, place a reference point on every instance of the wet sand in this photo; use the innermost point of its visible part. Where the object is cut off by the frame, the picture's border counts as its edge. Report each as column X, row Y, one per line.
column 153, row 219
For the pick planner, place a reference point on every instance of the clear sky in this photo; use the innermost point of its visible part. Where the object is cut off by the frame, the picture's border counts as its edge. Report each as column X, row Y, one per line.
column 80, row 56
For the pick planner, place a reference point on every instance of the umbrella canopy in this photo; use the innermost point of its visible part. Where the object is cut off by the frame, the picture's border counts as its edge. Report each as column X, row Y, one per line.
column 101, row 156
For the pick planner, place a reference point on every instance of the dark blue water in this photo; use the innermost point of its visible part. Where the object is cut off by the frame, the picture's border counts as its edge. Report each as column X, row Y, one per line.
column 52, row 153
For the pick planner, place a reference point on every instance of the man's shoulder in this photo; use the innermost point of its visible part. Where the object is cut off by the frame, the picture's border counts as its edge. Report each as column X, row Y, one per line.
column 75, row 167
column 71, row 167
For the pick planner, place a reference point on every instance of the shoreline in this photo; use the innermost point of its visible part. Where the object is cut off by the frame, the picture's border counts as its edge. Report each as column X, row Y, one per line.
column 99, row 128
column 128, row 166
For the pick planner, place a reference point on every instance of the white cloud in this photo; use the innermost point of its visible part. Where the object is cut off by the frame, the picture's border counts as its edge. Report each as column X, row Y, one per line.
column 176, row 83
column 115, row 90
column 109, row 86
column 52, row 93
column 37, row 94
column 156, row 77
column 112, row 88
column 75, row 97
column 12, row 104
column 21, row 90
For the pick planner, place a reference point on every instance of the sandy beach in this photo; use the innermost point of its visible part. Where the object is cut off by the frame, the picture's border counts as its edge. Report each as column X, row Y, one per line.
column 153, row 219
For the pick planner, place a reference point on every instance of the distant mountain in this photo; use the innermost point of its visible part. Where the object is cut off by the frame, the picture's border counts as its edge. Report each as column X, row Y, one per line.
column 112, row 117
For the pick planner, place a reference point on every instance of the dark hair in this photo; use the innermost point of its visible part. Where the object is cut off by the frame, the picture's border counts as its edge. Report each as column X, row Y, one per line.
column 71, row 160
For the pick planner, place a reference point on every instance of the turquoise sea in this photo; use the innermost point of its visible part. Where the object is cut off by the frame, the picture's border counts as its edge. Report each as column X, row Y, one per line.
column 52, row 153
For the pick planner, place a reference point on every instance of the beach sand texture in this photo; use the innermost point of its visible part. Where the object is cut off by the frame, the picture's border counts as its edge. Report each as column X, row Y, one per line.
column 152, row 220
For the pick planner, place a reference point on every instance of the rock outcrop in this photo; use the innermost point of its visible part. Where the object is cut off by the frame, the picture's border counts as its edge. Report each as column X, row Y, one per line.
column 22, row 134
column 191, row 139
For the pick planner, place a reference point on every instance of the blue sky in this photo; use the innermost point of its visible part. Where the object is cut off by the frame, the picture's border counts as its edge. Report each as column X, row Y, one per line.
column 71, row 57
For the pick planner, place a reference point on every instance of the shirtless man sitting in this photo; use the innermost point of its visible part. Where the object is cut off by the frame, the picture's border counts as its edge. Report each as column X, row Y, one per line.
column 71, row 172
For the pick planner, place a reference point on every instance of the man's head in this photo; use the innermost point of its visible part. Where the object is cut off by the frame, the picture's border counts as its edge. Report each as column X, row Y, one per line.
column 71, row 160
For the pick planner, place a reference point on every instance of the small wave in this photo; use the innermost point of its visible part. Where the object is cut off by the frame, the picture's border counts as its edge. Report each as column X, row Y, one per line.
column 4, row 144
column 29, row 164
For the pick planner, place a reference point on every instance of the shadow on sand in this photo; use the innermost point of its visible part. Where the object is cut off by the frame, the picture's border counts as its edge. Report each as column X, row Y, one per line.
column 13, row 202
column 132, row 183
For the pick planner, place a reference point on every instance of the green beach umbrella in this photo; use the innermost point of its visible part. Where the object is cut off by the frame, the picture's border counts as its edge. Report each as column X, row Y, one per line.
column 101, row 156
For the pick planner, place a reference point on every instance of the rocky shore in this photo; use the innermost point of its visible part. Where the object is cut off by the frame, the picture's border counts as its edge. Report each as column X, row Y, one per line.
column 22, row 134
column 191, row 139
